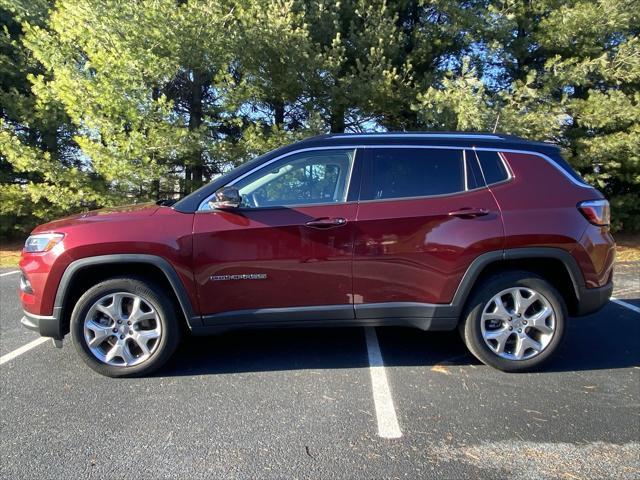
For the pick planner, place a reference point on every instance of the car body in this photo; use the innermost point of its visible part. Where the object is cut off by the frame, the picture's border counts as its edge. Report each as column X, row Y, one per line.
column 342, row 230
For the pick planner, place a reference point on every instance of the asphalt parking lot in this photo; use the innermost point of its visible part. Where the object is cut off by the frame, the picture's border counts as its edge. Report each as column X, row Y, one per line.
column 308, row 403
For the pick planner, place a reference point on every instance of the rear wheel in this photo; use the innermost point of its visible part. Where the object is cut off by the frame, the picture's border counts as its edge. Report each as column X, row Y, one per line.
column 125, row 327
column 514, row 322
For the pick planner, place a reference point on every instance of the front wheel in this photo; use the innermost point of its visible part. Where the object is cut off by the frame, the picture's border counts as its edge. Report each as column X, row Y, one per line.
column 514, row 322
column 124, row 327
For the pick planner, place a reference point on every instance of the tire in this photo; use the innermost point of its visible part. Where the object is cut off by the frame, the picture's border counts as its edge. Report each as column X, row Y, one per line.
column 507, row 347
column 139, row 343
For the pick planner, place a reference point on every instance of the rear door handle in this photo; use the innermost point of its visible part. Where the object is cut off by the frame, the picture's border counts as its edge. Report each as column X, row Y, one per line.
column 326, row 222
column 469, row 212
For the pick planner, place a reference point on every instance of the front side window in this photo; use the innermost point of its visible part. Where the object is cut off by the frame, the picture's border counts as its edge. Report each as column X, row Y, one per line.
column 303, row 178
column 414, row 172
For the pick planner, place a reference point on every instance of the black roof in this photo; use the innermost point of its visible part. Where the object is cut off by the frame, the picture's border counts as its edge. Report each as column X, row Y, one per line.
column 462, row 139
column 191, row 202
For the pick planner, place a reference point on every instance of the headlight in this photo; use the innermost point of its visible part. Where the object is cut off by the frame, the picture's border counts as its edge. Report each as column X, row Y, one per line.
column 42, row 242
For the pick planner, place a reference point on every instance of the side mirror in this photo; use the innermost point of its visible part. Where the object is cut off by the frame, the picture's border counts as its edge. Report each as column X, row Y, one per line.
column 227, row 198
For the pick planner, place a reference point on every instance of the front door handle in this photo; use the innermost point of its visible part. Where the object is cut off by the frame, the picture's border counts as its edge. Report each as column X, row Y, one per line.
column 326, row 222
column 469, row 212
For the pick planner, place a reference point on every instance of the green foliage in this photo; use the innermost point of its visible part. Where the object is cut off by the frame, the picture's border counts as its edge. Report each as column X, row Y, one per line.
column 464, row 103
column 600, row 70
column 105, row 102
column 41, row 172
column 561, row 71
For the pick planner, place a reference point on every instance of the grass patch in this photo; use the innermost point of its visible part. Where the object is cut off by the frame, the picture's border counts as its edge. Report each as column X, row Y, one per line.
column 10, row 254
column 628, row 247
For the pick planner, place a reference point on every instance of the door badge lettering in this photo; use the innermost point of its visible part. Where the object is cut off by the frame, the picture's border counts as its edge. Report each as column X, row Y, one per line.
column 245, row 276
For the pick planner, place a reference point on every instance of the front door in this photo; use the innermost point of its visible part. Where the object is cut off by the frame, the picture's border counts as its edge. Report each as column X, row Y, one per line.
column 286, row 253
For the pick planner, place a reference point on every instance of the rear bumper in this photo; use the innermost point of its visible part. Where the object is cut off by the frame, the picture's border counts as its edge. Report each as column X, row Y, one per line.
column 593, row 299
column 46, row 326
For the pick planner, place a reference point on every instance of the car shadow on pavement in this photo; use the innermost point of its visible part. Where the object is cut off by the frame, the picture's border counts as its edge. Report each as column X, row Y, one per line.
column 308, row 349
column 609, row 339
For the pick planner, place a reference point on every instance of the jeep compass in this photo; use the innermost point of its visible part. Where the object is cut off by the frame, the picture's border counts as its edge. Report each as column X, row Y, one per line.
column 490, row 234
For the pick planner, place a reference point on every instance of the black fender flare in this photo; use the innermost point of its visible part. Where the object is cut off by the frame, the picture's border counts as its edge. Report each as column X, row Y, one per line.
column 482, row 261
column 170, row 273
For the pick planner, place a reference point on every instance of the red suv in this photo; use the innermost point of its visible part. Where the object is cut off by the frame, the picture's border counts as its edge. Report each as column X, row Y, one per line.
column 491, row 234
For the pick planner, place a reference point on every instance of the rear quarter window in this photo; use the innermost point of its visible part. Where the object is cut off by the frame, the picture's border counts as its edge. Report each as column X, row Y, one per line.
column 564, row 165
column 492, row 166
column 474, row 174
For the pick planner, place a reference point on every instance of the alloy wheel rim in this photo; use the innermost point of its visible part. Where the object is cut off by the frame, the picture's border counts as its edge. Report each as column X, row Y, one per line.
column 518, row 323
column 122, row 329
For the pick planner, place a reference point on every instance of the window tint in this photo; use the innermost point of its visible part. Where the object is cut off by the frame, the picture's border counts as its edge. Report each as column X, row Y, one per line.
column 492, row 167
column 304, row 178
column 414, row 172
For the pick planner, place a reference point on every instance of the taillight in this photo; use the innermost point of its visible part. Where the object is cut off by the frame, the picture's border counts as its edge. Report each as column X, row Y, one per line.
column 596, row 211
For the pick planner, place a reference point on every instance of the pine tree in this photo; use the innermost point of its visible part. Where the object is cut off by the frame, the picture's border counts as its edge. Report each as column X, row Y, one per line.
column 561, row 71
column 41, row 171
column 104, row 101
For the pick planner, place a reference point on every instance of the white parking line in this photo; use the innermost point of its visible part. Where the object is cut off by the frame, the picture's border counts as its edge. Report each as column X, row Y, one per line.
column 385, row 412
column 19, row 351
column 625, row 304
column 9, row 273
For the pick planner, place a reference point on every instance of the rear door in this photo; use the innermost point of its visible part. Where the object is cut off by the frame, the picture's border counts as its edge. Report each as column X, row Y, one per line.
column 286, row 254
column 424, row 215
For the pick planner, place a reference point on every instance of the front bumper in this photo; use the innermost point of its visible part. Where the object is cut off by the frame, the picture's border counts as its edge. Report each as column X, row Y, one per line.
column 593, row 299
column 46, row 326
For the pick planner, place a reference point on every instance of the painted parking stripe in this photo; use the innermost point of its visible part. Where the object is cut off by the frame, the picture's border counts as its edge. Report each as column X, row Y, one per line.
column 385, row 411
column 9, row 273
column 19, row 351
column 626, row 304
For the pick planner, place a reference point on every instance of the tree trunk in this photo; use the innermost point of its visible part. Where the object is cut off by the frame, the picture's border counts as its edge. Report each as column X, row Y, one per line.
column 186, row 189
column 195, row 120
column 336, row 120
column 50, row 140
column 278, row 113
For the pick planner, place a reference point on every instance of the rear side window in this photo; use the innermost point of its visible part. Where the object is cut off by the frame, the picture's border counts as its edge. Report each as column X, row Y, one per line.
column 413, row 172
column 492, row 166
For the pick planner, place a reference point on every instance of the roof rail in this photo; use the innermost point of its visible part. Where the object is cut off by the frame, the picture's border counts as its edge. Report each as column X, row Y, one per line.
column 418, row 135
